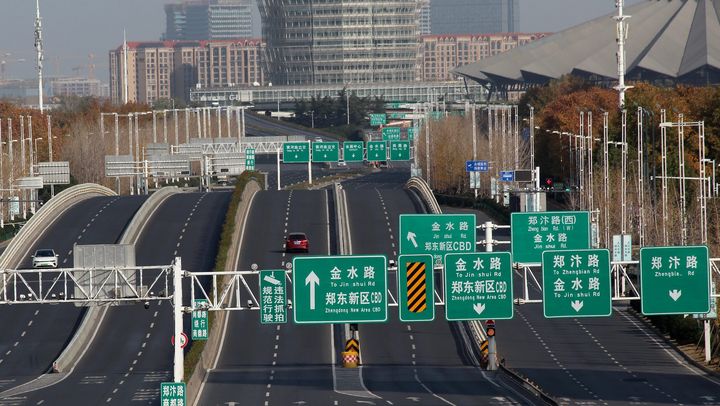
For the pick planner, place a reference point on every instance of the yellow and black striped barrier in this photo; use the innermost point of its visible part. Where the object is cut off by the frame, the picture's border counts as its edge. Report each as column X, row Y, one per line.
column 484, row 348
column 416, row 287
column 352, row 345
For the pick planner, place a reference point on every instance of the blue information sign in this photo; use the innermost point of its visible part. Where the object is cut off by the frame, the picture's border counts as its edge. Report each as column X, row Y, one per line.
column 476, row 166
column 507, row 176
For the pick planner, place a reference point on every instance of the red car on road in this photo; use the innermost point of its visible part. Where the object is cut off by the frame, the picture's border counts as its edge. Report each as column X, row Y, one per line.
column 296, row 242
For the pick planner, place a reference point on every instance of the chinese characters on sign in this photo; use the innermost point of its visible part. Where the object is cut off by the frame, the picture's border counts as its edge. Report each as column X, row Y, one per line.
column 478, row 286
column 340, row 289
column 172, row 394
column 273, row 297
column 296, row 152
column 399, row 150
column 325, row 151
column 437, row 234
column 391, row 133
column 533, row 233
column 674, row 280
column 353, row 151
column 376, row 151
column 199, row 320
column 576, row 283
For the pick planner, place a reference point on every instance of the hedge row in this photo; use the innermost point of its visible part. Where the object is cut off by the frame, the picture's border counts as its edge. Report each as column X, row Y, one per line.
column 192, row 357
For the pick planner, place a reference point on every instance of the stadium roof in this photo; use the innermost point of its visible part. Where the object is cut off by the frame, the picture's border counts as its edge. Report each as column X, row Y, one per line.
column 670, row 41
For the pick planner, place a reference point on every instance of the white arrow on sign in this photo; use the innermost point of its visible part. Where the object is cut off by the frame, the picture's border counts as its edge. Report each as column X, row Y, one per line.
column 675, row 294
column 479, row 308
column 411, row 237
column 577, row 305
column 312, row 280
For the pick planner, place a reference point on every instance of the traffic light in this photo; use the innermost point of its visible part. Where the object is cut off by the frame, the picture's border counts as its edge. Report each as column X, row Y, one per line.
column 490, row 328
column 549, row 182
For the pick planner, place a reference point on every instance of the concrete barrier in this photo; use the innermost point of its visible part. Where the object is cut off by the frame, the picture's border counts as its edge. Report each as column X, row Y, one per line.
column 213, row 345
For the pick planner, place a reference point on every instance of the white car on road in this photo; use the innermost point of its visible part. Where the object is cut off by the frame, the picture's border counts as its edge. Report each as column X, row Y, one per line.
column 45, row 258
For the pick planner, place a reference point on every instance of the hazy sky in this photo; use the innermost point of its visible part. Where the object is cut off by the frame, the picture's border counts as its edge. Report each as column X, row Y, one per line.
column 72, row 29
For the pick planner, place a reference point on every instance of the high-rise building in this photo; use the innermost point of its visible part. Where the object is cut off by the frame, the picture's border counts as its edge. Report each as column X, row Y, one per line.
column 425, row 20
column 168, row 69
column 440, row 54
column 340, row 41
column 208, row 20
column 474, row 16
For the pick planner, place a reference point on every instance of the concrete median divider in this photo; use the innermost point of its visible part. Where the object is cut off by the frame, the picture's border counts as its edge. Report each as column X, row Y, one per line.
column 94, row 315
column 213, row 346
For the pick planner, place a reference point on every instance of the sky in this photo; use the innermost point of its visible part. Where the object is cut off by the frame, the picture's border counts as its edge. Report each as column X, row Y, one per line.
column 74, row 29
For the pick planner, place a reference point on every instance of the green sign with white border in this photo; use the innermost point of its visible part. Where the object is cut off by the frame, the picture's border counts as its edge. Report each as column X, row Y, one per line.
column 535, row 232
column 325, row 151
column 250, row 159
column 173, row 394
column 674, row 280
column 437, row 234
column 478, row 286
column 391, row 133
column 340, row 289
column 416, row 288
column 377, row 151
column 377, row 119
column 199, row 320
column 296, row 152
column 353, row 151
column 273, row 297
column 576, row 283
column 399, row 150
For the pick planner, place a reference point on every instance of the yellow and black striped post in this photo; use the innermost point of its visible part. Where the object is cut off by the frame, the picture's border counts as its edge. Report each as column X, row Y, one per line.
column 352, row 345
column 416, row 287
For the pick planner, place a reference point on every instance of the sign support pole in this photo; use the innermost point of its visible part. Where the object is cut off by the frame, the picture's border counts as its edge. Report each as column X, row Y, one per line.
column 309, row 163
column 178, row 364
column 492, row 345
column 278, row 169
column 474, row 141
column 708, row 341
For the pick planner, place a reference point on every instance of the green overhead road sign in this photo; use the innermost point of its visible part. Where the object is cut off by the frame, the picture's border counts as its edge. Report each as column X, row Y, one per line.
column 377, row 119
column 478, row 286
column 340, row 289
column 416, row 287
column 391, row 133
column 437, row 115
column 399, row 150
column 674, row 280
column 296, row 152
column 353, row 151
column 576, row 283
column 377, row 151
column 199, row 320
column 273, row 297
column 250, row 159
column 173, row 394
column 437, row 234
column 533, row 233
column 325, row 151
column 412, row 133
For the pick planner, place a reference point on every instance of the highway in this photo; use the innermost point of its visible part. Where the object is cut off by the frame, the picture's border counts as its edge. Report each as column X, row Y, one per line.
column 32, row 335
column 284, row 363
column 409, row 363
column 131, row 353
column 613, row 360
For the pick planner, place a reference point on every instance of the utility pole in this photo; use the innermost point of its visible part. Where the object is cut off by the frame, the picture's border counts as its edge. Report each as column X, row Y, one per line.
column 39, row 49
column 125, row 69
column 622, row 30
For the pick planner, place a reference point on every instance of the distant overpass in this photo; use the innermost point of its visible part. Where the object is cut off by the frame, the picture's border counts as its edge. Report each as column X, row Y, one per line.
column 268, row 97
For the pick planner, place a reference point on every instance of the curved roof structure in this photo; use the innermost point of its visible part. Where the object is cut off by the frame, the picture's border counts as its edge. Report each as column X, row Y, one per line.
column 670, row 41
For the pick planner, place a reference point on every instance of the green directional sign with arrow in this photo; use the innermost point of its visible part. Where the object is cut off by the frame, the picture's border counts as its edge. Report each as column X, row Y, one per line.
column 353, row 151
column 377, row 151
column 478, row 286
column 437, row 234
column 325, row 151
column 399, row 150
column 674, row 280
column 377, row 119
column 391, row 133
column 296, row 152
column 340, row 289
column 576, row 283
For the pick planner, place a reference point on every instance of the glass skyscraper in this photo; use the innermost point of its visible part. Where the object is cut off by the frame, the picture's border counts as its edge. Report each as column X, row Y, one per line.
column 474, row 16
